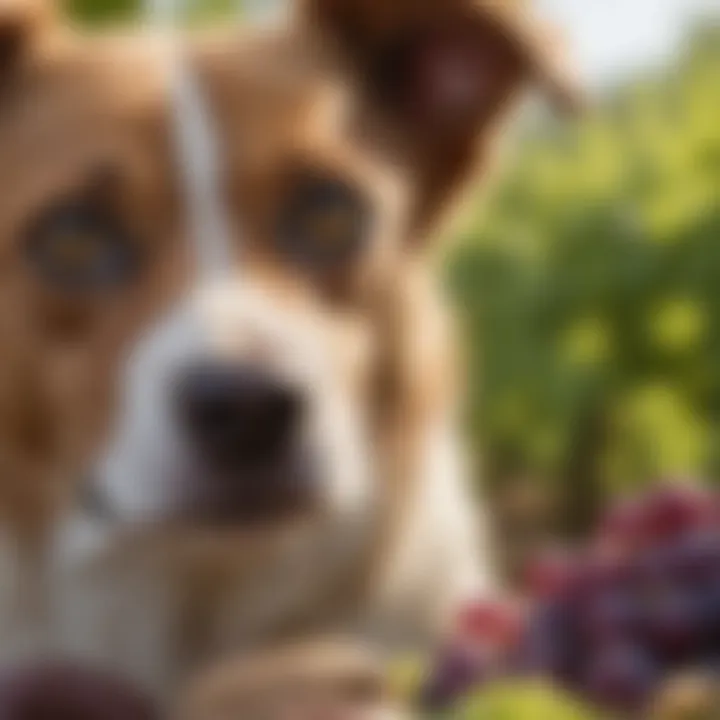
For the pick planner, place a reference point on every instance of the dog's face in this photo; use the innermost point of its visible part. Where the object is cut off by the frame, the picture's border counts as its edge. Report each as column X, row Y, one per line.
column 249, row 395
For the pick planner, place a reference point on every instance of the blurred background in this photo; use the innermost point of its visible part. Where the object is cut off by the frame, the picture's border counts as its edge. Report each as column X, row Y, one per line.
column 588, row 275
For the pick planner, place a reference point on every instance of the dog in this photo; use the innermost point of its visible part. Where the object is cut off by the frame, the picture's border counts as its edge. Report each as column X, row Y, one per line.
column 221, row 312
column 327, row 679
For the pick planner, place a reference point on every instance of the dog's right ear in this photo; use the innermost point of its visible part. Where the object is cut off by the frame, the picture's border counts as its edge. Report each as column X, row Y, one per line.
column 22, row 24
column 439, row 78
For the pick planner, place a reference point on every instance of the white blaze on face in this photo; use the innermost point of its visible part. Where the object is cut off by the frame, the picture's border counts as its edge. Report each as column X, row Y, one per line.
column 149, row 462
column 197, row 154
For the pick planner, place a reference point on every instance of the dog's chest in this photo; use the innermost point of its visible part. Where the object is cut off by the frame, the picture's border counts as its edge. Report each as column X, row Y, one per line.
column 155, row 622
column 134, row 609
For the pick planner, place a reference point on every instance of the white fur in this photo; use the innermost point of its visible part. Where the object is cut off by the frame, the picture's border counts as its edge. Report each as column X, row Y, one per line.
column 440, row 560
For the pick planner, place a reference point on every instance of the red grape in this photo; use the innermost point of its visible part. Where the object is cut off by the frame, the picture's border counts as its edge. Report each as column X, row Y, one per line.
column 551, row 574
column 69, row 692
column 675, row 510
column 622, row 676
column 492, row 623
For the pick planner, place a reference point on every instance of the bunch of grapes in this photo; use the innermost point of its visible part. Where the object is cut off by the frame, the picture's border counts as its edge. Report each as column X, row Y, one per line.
column 639, row 605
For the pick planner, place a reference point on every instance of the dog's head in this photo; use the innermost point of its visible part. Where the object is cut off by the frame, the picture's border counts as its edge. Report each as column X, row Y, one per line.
column 247, row 392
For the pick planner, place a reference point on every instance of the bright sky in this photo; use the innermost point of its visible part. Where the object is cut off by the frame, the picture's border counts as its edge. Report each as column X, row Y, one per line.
column 611, row 37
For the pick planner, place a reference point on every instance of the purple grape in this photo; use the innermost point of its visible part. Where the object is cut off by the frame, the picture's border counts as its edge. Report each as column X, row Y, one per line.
column 460, row 669
column 652, row 569
column 621, row 676
column 599, row 575
column 673, row 623
column 68, row 692
column 554, row 649
column 696, row 559
column 612, row 614
column 709, row 609
column 548, row 643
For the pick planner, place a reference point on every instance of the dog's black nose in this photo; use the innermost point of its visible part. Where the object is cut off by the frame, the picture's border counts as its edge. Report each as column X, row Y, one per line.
column 239, row 416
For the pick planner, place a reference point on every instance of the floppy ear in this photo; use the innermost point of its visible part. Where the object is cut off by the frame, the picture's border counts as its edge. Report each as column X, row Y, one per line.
column 441, row 74
column 22, row 22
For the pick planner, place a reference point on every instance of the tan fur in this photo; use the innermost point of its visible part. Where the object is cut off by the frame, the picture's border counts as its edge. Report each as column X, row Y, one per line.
column 329, row 679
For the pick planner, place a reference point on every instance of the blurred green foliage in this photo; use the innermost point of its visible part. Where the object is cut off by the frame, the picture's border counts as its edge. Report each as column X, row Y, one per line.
column 96, row 12
column 521, row 702
column 107, row 12
column 590, row 288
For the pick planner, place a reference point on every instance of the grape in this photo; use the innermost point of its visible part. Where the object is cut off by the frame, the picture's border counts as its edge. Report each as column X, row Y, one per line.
column 673, row 624
column 622, row 676
column 495, row 625
column 696, row 559
column 675, row 510
column 709, row 611
column 551, row 574
column 599, row 575
column 67, row 692
column 612, row 613
column 461, row 668
column 547, row 648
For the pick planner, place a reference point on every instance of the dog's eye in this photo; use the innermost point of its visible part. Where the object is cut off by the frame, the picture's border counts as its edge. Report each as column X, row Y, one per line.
column 323, row 224
column 81, row 249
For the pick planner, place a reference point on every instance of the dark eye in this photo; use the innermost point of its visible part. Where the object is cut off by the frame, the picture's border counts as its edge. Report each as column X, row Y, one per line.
column 81, row 248
column 324, row 223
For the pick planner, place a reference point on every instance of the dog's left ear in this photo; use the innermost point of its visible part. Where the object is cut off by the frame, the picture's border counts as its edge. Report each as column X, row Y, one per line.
column 442, row 75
